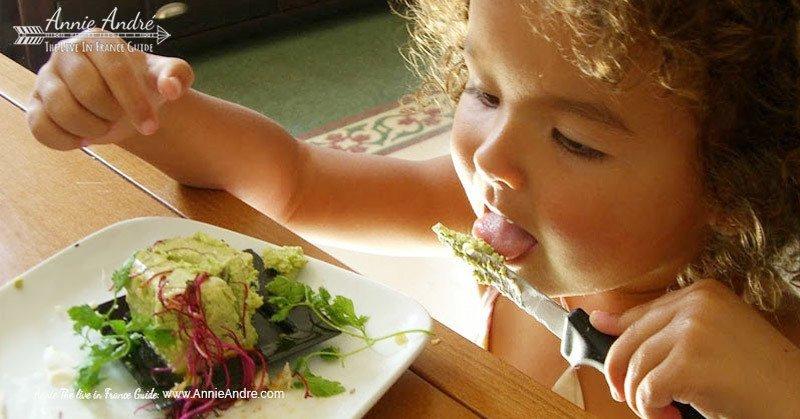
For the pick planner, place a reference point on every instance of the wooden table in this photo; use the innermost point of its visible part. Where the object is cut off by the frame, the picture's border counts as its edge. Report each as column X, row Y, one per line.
column 50, row 199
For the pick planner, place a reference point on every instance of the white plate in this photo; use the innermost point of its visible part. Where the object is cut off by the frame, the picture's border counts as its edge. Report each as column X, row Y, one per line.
column 33, row 318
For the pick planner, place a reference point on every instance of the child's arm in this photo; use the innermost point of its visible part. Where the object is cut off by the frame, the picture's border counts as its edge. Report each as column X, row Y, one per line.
column 369, row 202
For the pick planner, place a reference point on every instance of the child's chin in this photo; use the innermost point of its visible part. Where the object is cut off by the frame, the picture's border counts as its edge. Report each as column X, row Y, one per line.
column 527, row 268
column 555, row 286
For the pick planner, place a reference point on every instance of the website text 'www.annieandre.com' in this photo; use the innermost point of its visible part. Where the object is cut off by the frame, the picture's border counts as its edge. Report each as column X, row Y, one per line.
column 152, row 394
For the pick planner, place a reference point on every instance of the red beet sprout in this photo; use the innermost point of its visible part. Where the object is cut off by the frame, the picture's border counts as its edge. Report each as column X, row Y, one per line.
column 206, row 353
column 149, row 280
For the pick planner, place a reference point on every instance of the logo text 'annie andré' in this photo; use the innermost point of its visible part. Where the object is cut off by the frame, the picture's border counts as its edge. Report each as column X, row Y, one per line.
column 55, row 29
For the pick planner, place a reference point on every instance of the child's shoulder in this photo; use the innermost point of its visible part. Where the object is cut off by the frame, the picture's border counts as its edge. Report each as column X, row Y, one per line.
column 792, row 332
column 788, row 322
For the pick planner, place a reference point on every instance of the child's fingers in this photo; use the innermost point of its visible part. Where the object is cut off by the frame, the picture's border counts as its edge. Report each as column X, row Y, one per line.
column 666, row 412
column 608, row 323
column 127, row 86
column 174, row 76
column 619, row 356
column 666, row 301
column 645, row 358
column 614, row 324
column 705, row 286
column 170, row 87
column 45, row 130
column 87, row 85
column 64, row 110
column 659, row 388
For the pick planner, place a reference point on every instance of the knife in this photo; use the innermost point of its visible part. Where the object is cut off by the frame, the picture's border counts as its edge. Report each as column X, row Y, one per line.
column 581, row 343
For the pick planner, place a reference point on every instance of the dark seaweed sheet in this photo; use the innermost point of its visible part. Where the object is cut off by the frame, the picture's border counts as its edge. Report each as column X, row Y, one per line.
column 278, row 342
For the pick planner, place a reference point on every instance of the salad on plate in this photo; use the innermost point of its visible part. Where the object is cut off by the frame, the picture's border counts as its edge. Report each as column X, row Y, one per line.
column 204, row 326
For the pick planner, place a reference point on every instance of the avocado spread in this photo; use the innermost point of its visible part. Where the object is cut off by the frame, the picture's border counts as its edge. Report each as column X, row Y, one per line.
column 486, row 263
column 228, row 293
column 286, row 260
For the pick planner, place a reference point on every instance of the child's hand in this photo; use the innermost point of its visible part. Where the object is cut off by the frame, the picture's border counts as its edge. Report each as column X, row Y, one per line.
column 99, row 90
column 701, row 345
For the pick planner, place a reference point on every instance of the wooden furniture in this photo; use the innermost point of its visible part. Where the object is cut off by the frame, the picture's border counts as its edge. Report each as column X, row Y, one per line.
column 50, row 199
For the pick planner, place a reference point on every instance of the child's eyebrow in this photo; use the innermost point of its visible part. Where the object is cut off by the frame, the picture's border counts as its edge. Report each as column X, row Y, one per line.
column 595, row 111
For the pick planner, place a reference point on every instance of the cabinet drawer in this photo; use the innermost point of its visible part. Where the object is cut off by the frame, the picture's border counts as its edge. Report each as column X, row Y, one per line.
column 294, row 4
column 190, row 16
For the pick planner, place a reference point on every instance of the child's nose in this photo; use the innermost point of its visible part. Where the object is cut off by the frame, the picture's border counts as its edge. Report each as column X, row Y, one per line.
column 495, row 161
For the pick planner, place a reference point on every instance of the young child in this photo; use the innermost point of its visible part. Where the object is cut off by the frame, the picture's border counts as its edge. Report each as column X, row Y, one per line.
column 612, row 150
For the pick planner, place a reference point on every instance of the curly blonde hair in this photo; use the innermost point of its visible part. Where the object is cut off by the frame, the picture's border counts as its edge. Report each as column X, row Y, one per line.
column 735, row 62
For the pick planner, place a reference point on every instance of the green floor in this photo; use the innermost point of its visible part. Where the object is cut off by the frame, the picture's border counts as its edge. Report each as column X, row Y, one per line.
column 311, row 75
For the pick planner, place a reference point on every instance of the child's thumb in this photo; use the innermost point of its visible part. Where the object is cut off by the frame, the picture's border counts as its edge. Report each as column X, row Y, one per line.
column 174, row 76
column 605, row 322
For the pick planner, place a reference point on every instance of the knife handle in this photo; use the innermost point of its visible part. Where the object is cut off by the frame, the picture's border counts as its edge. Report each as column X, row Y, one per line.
column 585, row 345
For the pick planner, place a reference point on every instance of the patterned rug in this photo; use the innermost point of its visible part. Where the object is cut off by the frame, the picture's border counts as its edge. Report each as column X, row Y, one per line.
column 382, row 130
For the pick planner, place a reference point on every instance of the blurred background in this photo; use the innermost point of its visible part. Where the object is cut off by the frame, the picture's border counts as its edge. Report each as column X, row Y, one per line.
column 331, row 72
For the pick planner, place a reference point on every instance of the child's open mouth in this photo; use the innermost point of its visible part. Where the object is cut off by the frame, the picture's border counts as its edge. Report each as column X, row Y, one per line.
column 507, row 238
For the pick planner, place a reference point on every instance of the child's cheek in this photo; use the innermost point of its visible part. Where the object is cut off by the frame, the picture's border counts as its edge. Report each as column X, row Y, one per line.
column 466, row 137
column 601, row 240
column 584, row 216
column 579, row 232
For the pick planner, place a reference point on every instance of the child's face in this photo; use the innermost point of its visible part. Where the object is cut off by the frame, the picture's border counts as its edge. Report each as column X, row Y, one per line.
column 607, row 183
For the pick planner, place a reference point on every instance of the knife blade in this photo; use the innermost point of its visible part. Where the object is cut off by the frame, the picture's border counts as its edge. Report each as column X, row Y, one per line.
column 581, row 343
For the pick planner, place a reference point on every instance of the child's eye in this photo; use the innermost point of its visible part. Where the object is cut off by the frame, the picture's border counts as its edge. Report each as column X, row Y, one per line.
column 576, row 148
column 486, row 99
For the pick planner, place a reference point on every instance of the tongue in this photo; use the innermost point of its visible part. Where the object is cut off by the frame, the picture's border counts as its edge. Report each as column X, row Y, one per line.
column 506, row 238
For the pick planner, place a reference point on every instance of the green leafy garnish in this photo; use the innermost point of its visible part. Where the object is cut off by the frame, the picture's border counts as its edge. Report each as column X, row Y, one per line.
column 119, row 338
column 286, row 295
column 315, row 385
column 337, row 312
column 342, row 312
column 330, row 353
column 321, row 387
column 105, row 348
column 122, row 276
column 85, row 316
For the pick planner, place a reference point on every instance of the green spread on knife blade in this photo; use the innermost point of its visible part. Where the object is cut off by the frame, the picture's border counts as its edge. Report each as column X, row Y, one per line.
column 468, row 247
column 489, row 268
